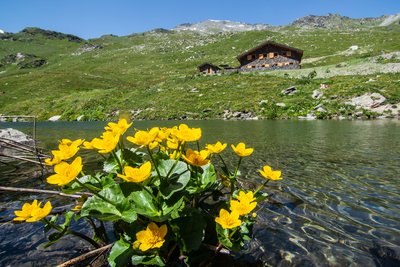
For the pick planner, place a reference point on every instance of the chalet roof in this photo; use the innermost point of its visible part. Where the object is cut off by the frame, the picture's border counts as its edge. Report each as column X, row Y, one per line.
column 207, row 63
column 269, row 43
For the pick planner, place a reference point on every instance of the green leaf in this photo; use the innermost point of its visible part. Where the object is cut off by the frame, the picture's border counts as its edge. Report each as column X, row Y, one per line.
column 68, row 217
column 111, row 164
column 223, row 236
column 176, row 177
column 143, row 203
column 131, row 158
column 174, row 203
column 120, row 254
column 208, row 177
column 147, row 260
column 117, row 207
column 190, row 230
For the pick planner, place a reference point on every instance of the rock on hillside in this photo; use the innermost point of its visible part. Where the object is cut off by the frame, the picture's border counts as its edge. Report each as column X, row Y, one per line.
column 332, row 21
column 214, row 26
column 51, row 34
column 22, row 60
column 390, row 19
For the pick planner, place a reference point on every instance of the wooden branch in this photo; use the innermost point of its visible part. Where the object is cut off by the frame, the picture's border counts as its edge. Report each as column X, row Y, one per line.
column 85, row 256
column 31, row 190
column 17, row 145
column 22, row 158
column 218, row 249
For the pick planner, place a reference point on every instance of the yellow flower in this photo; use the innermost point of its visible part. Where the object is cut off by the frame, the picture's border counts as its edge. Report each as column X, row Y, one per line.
column 77, row 208
column 241, row 150
column 163, row 134
column 196, row 158
column 136, row 175
column 105, row 144
column 66, row 150
column 33, row 212
column 216, row 148
column 153, row 145
column 52, row 161
column 152, row 237
column 242, row 208
column 118, row 128
column 246, row 197
column 65, row 172
column 175, row 155
column 228, row 220
column 268, row 173
column 186, row 134
column 144, row 138
column 173, row 143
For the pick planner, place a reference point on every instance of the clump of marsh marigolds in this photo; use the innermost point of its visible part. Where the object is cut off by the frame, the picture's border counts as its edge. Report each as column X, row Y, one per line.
column 167, row 198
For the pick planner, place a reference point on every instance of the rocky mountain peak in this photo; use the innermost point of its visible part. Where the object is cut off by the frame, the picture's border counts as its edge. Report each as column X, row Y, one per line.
column 331, row 21
column 214, row 26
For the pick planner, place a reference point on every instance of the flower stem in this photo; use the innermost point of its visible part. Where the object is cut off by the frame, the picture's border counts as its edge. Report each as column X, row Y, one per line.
column 233, row 178
column 77, row 234
column 95, row 192
column 223, row 162
column 117, row 159
column 261, row 187
column 153, row 161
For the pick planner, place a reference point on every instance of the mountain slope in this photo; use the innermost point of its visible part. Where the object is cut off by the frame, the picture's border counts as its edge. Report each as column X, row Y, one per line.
column 153, row 75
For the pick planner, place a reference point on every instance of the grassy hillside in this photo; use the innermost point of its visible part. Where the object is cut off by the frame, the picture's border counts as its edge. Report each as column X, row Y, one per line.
column 154, row 75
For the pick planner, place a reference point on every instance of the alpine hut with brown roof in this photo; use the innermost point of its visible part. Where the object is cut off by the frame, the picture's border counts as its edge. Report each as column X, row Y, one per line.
column 208, row 68
column 270, row 55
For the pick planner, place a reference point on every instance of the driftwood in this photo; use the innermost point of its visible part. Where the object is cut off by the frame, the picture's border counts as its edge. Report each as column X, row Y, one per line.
column 86, row 256
column 41, row 191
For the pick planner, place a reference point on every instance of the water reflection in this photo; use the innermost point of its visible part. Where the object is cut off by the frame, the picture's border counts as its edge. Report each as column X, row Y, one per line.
column 338, row 205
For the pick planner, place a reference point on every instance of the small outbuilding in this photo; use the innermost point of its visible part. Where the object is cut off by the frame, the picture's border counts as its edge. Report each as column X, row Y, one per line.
column 208, row 68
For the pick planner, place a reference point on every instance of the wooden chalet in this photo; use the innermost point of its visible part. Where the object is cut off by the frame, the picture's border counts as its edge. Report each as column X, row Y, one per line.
column 208, row 68
column 270, row 55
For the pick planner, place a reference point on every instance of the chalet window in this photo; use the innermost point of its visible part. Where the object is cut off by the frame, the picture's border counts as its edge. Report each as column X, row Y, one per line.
column 280, row 64
column 253, row 67
column 289, row 53
column 267, row 65
column 291, row 63
column 275, row 54
column 271, row 55
column 249, row 66
column 249, row 57
column 260, row 56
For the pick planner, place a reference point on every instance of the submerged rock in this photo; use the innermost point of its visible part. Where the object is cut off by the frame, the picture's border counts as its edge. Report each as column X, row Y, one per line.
column 16, row 136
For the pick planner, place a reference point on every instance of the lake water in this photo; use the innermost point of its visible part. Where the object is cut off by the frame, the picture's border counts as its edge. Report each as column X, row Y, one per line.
column 338, row 205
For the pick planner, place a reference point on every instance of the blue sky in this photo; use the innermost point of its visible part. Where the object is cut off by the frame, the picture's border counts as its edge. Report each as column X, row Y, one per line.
column 93, row 18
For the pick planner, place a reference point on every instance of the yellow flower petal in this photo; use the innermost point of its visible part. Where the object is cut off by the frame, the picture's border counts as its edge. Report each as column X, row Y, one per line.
column 268, row 173
column 33, row 212
column 196, row 158
column 136, row 175
column 228, row 220
column 241, row 150
column 152, row 237
column 216, row 148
